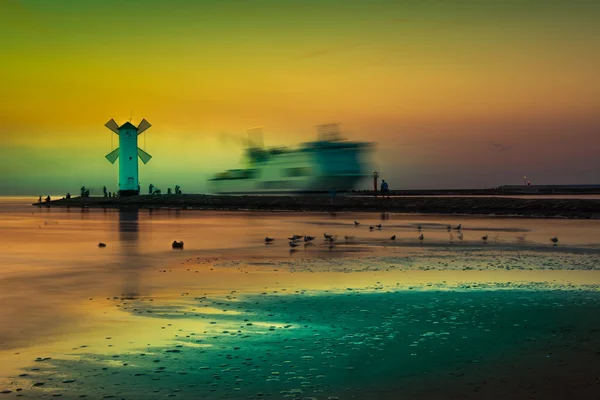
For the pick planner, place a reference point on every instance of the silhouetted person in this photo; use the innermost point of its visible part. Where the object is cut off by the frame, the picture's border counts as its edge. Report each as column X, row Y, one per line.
column 68, row 195
column 169, row 191
column 40, row 200
column 150, row 188
column 104, row 191
column 48, row 199
column 109, row 194
column 177, row 189
column 384, row 188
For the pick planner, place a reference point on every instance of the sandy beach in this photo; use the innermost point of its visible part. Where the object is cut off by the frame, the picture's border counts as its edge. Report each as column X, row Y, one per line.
column 364, row 317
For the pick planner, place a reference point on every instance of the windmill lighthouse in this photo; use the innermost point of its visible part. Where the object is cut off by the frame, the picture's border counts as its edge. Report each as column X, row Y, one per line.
column 129, row 151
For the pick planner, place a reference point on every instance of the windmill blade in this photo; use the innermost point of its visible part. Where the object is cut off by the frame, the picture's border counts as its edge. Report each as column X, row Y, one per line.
column 143, row 126
column 113, row 155
column 112, row 125
column 145, row 157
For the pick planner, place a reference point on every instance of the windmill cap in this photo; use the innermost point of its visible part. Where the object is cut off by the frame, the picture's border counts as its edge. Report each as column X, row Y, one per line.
column 128, row 125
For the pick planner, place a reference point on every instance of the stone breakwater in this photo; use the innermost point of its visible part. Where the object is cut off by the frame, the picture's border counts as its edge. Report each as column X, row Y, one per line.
column 504, row 206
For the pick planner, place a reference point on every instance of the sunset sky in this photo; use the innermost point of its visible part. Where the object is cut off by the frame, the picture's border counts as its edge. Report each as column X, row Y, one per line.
column 456, row 93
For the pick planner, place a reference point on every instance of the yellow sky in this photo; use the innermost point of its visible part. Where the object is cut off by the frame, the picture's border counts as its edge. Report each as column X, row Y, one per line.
column 393, row 72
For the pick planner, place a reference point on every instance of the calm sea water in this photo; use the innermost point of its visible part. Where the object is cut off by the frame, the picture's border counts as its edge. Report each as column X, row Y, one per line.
column 56, row 281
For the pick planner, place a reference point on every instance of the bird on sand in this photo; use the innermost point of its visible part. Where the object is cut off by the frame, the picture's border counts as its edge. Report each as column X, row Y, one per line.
column 421, row 237
column 458, row 228
column 269, row 239
column 308, row 238
column 101, row 244
column 554, row 240
column 378, row 226
column 393, row 237
column 419, row 227
column 371, row 227
column 292, row 245
column 327, row 236
column 356, row 223
column 484, row 238
column 295, row 237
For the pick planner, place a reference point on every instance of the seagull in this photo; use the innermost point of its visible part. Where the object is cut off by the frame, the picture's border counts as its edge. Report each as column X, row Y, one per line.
column 292, row 245
column 308, row 238
column 421, row 237
column 268, row 239
column 101, row 244
column 554, row 239
column 331, row 239
column 326, row 236
column 393, row 237
column 378, row 226
column 356, row 223
column 371, row 227
column 295, row 237
column 484, row 238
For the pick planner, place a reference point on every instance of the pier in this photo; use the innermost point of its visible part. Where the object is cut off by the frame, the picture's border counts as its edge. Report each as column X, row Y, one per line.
column 467, row 205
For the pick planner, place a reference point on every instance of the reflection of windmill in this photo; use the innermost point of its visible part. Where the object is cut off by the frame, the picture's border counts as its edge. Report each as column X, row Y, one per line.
column 129, row 151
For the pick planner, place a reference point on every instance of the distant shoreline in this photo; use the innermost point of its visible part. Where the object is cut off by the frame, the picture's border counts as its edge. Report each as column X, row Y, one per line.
column 467, row 205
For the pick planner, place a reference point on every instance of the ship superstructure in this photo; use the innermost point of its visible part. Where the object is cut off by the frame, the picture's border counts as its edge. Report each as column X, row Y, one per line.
column 328, row 164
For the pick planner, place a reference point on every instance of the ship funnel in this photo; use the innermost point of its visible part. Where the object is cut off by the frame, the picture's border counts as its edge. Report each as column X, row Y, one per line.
column 255, row 137
column 329, row 132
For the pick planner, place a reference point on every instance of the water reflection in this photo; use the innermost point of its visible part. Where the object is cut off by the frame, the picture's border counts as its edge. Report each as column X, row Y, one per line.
column 130, row 252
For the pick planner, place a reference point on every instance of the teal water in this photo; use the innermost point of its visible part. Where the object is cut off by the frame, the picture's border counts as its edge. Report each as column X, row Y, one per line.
column 395, row 345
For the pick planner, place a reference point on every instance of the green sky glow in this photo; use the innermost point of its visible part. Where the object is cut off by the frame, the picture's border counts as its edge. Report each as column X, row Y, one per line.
column 468, row 93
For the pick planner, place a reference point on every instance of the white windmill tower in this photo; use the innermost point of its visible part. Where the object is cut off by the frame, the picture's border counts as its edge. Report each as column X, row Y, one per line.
column 129, row 152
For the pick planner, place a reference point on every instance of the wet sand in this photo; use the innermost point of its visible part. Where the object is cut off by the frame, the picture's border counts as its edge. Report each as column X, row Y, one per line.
column 348, row 330
column 364, row 318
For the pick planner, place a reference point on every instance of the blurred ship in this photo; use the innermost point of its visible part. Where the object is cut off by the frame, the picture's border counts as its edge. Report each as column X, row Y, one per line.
column 328, row 164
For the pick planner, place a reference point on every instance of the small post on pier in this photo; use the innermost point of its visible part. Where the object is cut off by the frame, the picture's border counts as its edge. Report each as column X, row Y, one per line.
column 375, row 176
